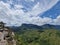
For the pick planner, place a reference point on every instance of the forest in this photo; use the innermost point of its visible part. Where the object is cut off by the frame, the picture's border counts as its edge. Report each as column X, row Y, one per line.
column 37, row 37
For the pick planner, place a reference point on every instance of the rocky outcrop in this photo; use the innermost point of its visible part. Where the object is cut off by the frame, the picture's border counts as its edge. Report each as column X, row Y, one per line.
column 6, row 35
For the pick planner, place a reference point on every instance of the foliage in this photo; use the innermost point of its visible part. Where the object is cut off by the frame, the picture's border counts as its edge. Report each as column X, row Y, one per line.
column 35, row 37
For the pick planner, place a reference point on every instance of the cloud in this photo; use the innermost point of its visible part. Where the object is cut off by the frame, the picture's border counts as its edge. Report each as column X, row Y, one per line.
column 40, row 21
column 57, row 21
column 30, row 0
column 8, row 15
column 18, row 7
column 42, row 6
column 16, row 16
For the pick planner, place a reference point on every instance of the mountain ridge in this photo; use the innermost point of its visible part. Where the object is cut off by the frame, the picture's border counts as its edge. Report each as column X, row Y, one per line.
column 34, row 27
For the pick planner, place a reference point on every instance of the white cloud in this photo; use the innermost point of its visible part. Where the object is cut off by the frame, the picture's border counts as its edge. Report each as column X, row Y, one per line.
column 57, row 21
column 40, row 21
column 17, row 16
column 30, row 0
column 42, row 6
column 18, row 6
column 8, row 15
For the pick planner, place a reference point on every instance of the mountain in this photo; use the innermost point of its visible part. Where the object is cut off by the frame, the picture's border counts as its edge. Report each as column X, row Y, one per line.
column 30, row 26
column 25, row 27
column 51, row 26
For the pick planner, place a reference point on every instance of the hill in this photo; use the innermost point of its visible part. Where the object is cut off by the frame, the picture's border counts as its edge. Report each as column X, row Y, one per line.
column 34, row 27
column 35, row 37
column 29, row 34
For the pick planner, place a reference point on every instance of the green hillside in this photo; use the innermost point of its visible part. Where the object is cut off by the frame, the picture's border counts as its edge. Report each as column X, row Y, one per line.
column 36, row 37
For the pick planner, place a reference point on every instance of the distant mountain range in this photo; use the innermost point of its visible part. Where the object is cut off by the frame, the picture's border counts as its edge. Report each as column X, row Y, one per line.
column 35, row 27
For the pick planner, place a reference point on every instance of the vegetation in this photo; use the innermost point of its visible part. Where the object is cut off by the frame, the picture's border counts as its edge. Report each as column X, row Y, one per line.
column 36, row 37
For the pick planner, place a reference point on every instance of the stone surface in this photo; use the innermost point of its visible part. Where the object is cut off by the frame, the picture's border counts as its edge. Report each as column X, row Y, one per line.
column 4, row 42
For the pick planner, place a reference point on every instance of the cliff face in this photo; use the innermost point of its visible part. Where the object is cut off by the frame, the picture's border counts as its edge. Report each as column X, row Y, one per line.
column 6, row 35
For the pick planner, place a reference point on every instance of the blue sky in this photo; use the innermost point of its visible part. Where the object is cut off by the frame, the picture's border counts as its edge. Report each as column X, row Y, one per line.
column 38, row 12
column 53, row 12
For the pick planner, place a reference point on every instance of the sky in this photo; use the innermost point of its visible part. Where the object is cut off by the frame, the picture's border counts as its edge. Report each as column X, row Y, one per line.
column 38, row 12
